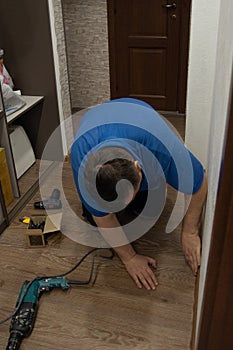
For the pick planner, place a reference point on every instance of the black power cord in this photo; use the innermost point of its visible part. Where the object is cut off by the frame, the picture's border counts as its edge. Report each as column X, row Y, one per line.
column 80, row 283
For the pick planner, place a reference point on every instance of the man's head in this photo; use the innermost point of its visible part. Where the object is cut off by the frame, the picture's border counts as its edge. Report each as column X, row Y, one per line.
column 110, row 166
column 112, row 172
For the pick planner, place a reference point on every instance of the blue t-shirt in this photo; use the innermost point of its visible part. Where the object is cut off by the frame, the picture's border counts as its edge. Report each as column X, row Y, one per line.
column 135, row 126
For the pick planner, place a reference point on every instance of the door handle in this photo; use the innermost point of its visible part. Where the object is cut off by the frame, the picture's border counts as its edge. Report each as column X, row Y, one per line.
column 170, row 6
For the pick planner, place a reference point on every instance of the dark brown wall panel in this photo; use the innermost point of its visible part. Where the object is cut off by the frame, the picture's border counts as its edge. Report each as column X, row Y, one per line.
column 26, row 39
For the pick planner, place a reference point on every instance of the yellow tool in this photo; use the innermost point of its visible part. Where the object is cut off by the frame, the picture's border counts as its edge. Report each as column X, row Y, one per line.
column 25, row 220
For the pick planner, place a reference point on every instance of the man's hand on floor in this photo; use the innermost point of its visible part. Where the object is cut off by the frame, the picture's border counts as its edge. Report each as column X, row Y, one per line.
column 139, row 269
column 191, row 244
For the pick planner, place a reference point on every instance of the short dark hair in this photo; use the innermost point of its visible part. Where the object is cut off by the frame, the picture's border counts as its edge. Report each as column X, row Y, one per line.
column 110, row 173
column 109, row 165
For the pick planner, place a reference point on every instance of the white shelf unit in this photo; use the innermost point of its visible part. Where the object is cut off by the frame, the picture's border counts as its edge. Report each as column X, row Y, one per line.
column 5, row 141
column 31, row 101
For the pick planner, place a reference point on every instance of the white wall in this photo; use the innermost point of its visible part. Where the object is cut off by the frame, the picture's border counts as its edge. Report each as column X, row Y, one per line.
column 202, row 61
column 61, row 72
column 210, row 69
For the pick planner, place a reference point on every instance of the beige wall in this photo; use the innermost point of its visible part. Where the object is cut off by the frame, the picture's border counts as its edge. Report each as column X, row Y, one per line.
column 87, row 51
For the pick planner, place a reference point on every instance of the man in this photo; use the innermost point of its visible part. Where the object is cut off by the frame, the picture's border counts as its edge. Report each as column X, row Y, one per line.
column 122, row 158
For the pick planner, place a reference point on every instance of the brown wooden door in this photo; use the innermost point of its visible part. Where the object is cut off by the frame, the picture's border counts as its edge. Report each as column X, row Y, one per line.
column 145, row 51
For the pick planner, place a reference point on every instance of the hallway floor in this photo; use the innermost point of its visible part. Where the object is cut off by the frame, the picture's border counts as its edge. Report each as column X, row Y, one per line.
column 111, row 313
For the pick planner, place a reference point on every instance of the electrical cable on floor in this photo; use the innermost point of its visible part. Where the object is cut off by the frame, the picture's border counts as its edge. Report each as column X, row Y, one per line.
column 80, row 283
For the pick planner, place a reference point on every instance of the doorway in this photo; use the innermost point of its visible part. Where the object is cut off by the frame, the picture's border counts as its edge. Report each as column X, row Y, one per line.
column 148, row 47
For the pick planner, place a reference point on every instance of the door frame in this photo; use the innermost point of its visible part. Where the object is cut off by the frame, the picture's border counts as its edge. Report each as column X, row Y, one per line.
column 216, row 321
column 183, row 59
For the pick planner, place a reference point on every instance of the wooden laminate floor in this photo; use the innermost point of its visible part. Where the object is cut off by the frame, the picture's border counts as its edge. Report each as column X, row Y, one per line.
column 111, row 313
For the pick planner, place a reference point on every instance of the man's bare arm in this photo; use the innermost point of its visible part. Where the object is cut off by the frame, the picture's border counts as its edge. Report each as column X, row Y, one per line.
column 136, row 265
column 191, row 225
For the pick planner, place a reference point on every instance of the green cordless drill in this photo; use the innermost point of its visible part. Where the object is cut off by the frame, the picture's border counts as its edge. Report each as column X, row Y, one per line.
column 26, row 307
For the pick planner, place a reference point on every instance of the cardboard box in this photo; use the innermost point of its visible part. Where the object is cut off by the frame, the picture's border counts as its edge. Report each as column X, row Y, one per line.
column 5, row 178
column 36, row 237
